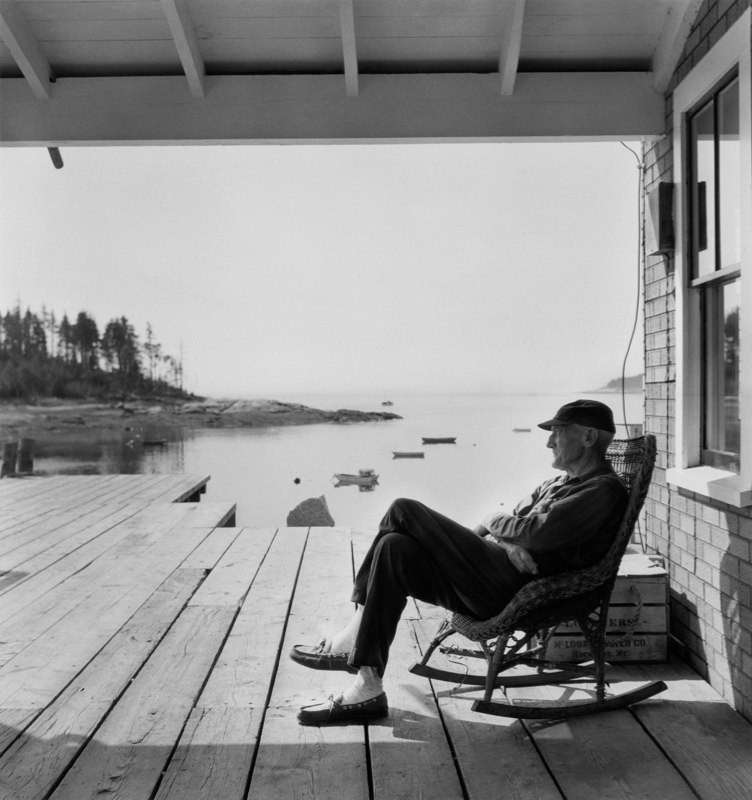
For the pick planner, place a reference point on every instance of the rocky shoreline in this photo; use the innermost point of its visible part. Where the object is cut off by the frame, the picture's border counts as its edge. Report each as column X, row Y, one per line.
column 52, row 416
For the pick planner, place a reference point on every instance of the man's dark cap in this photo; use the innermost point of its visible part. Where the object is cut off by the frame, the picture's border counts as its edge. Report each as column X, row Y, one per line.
column 589, row 413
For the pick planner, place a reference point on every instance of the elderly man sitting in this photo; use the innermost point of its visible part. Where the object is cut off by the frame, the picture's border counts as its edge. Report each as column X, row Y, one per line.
column 567, row 523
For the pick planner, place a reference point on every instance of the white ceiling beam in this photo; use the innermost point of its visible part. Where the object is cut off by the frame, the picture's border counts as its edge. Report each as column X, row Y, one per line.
column 513, row 14
column 186, row 42
column 304, row 109
column 24, row 47
column 673, row 36
column 349, row 48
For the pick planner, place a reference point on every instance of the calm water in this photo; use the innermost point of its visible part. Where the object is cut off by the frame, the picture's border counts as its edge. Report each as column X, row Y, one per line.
column 489, row 465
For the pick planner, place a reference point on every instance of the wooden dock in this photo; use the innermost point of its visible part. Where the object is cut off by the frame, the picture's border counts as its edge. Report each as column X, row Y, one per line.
column 143, row 655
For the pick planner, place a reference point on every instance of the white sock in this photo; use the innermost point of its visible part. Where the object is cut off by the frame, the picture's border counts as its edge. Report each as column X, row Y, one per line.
column 367, row 685
column 344, row 641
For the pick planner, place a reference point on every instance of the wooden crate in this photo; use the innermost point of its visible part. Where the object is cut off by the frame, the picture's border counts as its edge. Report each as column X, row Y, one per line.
column 637, row 619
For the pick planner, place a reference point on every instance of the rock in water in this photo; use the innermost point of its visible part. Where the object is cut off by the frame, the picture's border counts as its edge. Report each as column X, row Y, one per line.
column 313, row 511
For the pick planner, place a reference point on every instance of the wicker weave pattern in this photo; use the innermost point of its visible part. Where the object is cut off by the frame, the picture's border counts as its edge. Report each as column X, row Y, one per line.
column 548, row 601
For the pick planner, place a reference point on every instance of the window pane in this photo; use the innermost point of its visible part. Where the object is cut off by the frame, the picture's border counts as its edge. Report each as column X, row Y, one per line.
column 702, row 141
column 729, row 176
column 721, row 391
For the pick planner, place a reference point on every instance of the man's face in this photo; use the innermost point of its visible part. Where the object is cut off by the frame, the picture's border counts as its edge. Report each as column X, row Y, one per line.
column 567, row 443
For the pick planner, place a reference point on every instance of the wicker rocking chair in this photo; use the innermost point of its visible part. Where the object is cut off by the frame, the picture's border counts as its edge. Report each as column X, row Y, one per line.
column 521, row 632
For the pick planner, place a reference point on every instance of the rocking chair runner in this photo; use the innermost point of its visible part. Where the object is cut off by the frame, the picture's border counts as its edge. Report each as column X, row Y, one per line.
column 523, row 629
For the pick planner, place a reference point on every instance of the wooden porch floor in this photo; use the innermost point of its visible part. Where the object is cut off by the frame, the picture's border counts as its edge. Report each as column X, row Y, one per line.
column 143, row 654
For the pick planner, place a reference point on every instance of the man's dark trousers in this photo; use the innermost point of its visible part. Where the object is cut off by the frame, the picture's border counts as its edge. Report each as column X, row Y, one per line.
column 422, row 554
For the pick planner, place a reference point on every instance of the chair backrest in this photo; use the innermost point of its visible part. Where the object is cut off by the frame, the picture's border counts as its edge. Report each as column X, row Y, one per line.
column 633, row 459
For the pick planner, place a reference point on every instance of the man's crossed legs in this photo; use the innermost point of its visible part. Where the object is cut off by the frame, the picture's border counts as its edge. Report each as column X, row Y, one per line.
column 418, row 553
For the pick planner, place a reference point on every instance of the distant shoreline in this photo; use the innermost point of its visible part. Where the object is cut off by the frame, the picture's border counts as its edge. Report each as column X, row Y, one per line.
column 54, row 416
column 606, row 390
column 632, row 384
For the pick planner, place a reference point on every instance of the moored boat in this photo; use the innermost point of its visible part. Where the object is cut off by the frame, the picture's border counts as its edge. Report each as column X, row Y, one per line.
column 439, row 439
column 364, row 477
column 407, row 454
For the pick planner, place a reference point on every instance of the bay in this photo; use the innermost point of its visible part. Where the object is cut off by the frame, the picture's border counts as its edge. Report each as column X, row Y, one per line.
column 268, row 471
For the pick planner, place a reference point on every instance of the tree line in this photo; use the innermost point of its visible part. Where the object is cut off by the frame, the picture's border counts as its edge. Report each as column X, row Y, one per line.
column 43, row 356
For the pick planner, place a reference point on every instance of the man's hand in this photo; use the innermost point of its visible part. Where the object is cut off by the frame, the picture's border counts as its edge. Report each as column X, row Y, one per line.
column 481, row 530
column 520, row 558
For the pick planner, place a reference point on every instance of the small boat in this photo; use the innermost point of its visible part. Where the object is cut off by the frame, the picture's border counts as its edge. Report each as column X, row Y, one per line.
column 521, row 430
column 439, row 439
column 154, row 442
column 403, row 454
column 387, row 403
column 365, row 477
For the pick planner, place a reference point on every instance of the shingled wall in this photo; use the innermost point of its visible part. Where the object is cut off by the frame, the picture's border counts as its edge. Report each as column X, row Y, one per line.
column 707, row 544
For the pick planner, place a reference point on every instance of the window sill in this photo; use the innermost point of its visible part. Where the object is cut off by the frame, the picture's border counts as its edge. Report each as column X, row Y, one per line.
column 717, row 484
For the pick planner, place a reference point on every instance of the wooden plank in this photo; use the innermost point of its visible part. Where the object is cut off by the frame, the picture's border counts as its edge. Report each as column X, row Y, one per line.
column 652, row 619
column 349, row 46
column 709, row 742
column 120, row 31
column 19, row 490
column 131, row 748
column 211, row 549
column 315, row 762
column 247, row 663
column 27, row 508
column 40, row 755
column 450, row 107
column 144, row 488
column 59, row 498
column 86, row 9
column 42, row 573
column 184, row 34
column 671, row 42
column 25, row 594
column 321, row 606
column 32, row 617
column 32, row 554
column 511, row 38
column 23, row 44
column 144, row 528
column 186, row 486
column 214, row 754
column 54, row 652
column 67, row 500
column 410, row 755
column 495, row 755
column 175, row 488
column 230, row 711
column 637, row 647
column 231, row 578
column 295, row 760
column 201, row 515
column 600, row 756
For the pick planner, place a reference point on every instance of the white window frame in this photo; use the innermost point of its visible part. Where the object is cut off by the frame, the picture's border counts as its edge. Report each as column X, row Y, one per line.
column 730, row 52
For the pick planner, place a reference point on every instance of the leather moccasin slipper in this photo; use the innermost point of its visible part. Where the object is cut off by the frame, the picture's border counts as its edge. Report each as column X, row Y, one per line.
column 314, row 658
column 334, row 712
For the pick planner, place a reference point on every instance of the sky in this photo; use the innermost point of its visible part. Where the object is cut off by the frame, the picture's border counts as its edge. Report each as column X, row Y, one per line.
column 278, row 270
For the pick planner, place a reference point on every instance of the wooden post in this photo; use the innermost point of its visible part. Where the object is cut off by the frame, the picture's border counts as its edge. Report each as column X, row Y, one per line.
column 10, row 452
column 26, row 456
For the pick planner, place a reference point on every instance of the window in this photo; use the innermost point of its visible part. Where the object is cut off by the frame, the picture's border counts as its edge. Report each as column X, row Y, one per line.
column 721, row 407
column 712, row 121
column 714, row 174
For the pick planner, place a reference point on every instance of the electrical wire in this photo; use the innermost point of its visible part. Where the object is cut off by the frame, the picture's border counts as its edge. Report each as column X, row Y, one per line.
column 636, row 319
column 640, row 168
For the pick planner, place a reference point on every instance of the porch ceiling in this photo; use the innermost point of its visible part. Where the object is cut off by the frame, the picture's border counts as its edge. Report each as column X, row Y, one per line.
column 235, row 71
